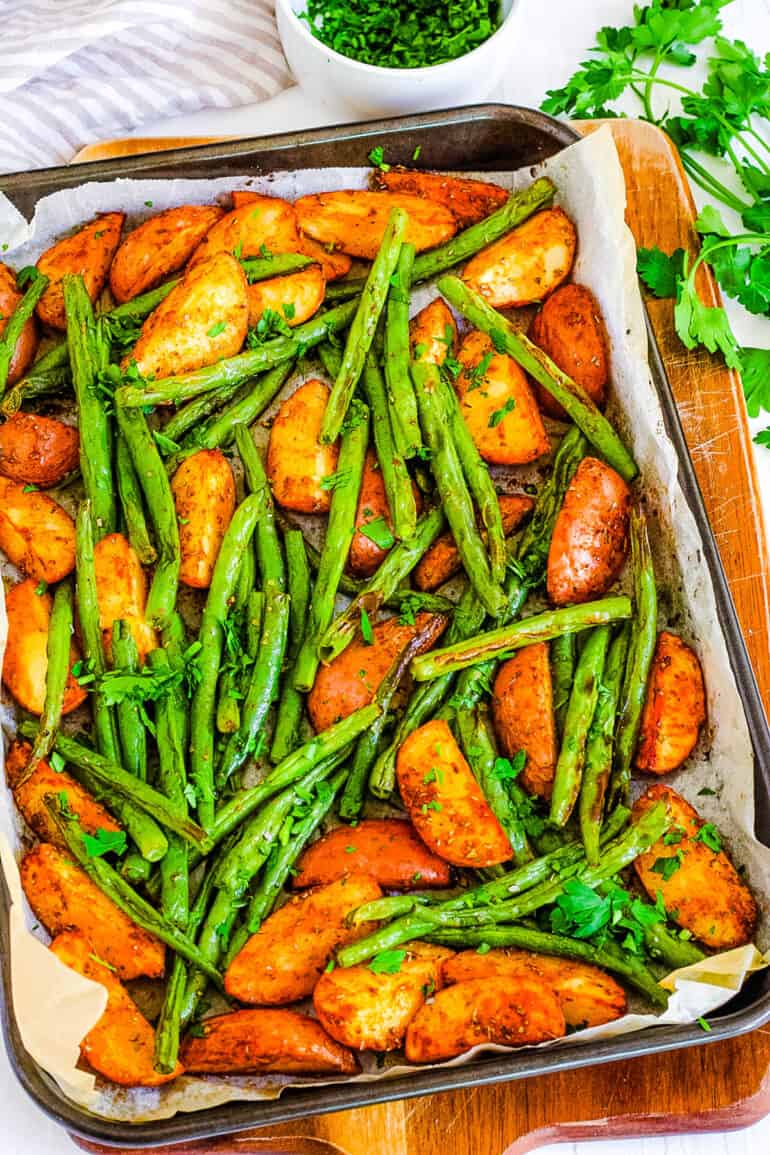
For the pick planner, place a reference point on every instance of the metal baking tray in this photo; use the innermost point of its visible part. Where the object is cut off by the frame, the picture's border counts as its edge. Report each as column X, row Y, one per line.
column 480, row 137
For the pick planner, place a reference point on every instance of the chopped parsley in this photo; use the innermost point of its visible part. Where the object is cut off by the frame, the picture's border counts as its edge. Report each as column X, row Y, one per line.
column 336, row 480
column 387, row 962
column 367, row 633
column 377, row 157
column 667, row 867
column 216, row 329
column 379, row 532
column 499, row 414
column 709, row 836
column 105, row 842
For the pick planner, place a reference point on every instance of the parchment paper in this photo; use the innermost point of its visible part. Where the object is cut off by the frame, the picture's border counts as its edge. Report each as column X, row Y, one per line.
column 590, row 187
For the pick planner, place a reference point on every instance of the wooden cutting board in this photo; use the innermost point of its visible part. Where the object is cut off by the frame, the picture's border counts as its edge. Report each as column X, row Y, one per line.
column 710, row 1088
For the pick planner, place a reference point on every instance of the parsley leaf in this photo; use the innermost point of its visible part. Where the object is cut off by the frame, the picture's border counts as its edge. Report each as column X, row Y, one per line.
column 498, row 415
column 660, row 272
column 377, row 158
column 709, row 836
column 387, row 962
column 336, row 480
column 367, row 633
column 379, row 532
column 105, row 842
column 667, row 867
column 216, row 329
column 505, row 770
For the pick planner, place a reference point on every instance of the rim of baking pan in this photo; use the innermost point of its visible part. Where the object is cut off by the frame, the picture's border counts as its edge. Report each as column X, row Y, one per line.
column 548, row 136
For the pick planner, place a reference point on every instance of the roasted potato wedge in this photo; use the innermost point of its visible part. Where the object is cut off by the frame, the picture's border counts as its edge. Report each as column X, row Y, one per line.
column 25, row 662
column 498, row 405
column 589, row 545
column 36, row 534
column 203, row 319
column 442, row 561
column 371, row 1012
column 64, row 898
column 297, row 462
column 258, row 224
column 492, row 1010
column 704, row 892
column 354, row 220
column 158, row 247
column 122, row 1044
column 523, row 715
column 674, row 709
column 283, row 961
column 334, row 263
column 30, row 796
column 38, row 450
column 259, row 1040
column 526, row 264
column 204, row 496
column 365, row 556
column 570, row 329
column 121, row 591
column 26, row 345
column 445, row 802
column 295, row 297
column 433, row 333
column 387, row 849
column 351, row 680
column 89, row 252
column 468, row 200
column 587, row 995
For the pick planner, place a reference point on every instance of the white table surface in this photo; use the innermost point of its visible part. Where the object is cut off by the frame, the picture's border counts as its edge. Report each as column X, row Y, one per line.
column 555, row 35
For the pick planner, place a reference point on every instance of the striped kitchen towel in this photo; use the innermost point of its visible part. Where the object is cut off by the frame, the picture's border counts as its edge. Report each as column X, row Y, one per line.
column 77, row 71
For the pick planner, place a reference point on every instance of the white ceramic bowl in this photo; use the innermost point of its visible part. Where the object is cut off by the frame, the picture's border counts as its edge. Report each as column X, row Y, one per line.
column 375, row 91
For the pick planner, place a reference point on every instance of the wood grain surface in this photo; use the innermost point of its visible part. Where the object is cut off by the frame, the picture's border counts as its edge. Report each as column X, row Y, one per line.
column 716, row 1087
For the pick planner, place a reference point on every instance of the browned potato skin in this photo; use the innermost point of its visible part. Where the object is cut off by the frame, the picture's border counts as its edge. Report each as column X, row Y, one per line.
column 283, row 961
column 26, row 346
column 587, row 995
column 674, row 709
column 491, row 1010
column 371, row 1012
column 121, row 1045
column 442, row 561
column 334, row 263
column 526, row 264
column 36, row 534
column 30, row 796
column 428, row 332
column 520, row 436
column 257, row 220
column 570, row 329
column 121, row 591
column 304, row 290
column 38, row 450
column 204, row 496
column 468, row 200
column 25, row 662
column 589, row 545
column 365, row 556
column 64, row 898
column 158, row 247
column 177, row 336
column 387, row 849
column 88, row 252
column 522, row 711
column 355, row 220
column 257, row 1040
column 445, row 802
column 297, row 462
column 351, row 680
column 705, row 895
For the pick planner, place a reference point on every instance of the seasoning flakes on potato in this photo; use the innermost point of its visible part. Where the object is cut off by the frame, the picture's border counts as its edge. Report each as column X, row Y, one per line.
column 442, row 561
column 261, row 1040
column 38, row 450
column 121, row 592
column 36, row 534
column 259, row 225
column 387, row 849
column 297, row 462
column 526, row 264
column 294, row 297
column 570, row 329
column 469, row 201
column 204, row 496
column 26, row 345
column 674, row 709
column 25, row 661
column 523, row 715
column 334, row 263
column 158, row 247
column 89, row 252
column 433, row 333
column 355, row 220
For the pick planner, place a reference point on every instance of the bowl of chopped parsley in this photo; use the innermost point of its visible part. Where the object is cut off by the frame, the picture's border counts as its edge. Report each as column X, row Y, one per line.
column 385, row 57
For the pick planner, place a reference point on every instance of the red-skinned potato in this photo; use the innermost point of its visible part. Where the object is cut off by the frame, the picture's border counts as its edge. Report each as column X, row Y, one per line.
column 590, row 538
column 25, row 662
column 204, row 496
column 297, row 462
column 468, row 200
column 371, row 1012
column 202, row 320
column 387, row 849
column 526, row 264
column 498, row 405
column 433, row 333
column 38, row 450
column 674, row 709
column 26, row 345
column 442, row 561
column 355, row 220
column 283, row 961
column 365, row 556
column 445, row 802
column 63, row 897
column 522, row 711
column 351, row 680
column 295, row 297
column 36, row 534
column 704, row 893
column 256, row 222
column 88, row 252
column 158, row 247
column 261, row 1040
column 570, row 329
column 492, row 1010
column 121, row 1046
column 121, row 591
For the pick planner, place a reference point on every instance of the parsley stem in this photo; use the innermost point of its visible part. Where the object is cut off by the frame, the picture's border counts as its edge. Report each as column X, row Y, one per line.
column 711, row 184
